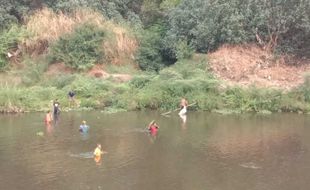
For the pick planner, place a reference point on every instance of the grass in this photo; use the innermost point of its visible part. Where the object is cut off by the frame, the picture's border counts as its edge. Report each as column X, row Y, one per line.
column 46, row 27
column 162, row 91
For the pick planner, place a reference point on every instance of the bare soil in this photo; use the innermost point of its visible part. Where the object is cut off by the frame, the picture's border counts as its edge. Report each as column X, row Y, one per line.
column 246, row 65
column 97, row 71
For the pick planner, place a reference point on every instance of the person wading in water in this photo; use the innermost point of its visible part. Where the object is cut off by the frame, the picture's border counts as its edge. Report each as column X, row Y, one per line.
column 183, row 105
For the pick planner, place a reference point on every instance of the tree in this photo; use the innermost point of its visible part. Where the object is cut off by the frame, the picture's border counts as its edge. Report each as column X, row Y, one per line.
column 206, row 24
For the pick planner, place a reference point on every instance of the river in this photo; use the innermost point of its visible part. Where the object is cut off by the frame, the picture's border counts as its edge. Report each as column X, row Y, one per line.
column 207, row 151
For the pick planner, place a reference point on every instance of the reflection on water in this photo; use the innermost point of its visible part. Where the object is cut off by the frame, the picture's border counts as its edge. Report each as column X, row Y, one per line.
column 214, row 152
column 183, row 118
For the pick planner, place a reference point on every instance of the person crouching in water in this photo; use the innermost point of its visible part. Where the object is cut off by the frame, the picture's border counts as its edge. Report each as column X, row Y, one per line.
column 48, row 118
column 97, row 153
column 153, row 128
column 183, row 105
column 83, row 127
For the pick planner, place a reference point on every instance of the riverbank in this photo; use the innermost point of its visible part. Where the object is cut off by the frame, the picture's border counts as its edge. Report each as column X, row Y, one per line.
column 191, row 79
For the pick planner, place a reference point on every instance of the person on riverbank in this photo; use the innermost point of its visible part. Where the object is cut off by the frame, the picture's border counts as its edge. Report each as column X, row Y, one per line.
column 71, row 96
column 153, row 128
column 48, row 118
column 183, row 105
column 83, row 127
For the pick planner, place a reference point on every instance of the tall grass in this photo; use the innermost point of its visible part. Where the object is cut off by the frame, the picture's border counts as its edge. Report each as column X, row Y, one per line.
column 47, row 27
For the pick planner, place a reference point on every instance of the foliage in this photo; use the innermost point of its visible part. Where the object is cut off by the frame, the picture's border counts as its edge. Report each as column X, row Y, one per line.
column 305, row 88
column 140, row 82
column 149, row 52
column 12, row 12
column 33, row 71
column 9, row 40
column 207, row 24
column 81, row 49
column 183, row 50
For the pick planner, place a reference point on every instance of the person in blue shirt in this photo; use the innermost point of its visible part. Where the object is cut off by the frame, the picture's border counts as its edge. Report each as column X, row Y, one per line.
column 83, row 127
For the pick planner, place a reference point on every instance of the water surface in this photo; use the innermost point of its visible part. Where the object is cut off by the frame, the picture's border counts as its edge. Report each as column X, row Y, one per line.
column 208, row 151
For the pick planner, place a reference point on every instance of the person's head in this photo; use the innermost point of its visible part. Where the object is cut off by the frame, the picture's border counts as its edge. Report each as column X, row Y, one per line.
column 99, row 146
column 84, row 122
column 49, row 111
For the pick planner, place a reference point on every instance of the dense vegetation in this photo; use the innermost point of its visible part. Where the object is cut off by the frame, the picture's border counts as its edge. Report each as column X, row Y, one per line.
column 161, row 36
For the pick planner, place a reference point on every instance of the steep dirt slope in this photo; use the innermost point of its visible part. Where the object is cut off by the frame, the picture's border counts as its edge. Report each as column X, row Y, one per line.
column 249, row 64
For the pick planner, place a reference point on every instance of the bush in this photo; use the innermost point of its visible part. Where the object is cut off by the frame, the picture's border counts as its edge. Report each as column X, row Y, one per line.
column 60, row 81
column 183, row 50
column 140, row 81
column 33, row 73
column 207, row 24
column 152, row 54
column 81, row 49
column 170, row 74
column 306, row 87
column 9, row 40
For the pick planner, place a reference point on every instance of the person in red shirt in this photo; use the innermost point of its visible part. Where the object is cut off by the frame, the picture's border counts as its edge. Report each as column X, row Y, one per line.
column 153, row 128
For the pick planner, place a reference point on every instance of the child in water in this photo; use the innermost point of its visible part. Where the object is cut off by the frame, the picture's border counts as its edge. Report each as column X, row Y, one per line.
column 83, row 127
column 97, row 153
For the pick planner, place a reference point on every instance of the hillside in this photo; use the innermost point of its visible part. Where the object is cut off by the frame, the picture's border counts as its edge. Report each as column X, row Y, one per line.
column 249, row 64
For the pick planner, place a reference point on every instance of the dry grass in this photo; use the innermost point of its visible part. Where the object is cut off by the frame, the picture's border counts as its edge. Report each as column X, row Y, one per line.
column 121, row 49
column 46, row 26
column 249, row 64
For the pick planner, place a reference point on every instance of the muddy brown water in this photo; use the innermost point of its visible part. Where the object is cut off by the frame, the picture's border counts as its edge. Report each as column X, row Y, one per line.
column 208, row 151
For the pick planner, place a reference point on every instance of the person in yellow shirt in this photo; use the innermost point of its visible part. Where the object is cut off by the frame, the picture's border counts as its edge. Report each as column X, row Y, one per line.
column 97, row 153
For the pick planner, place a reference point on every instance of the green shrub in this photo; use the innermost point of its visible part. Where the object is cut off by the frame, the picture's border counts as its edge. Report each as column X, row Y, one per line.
column 81, row 49
column 206, row 102
column 306, row 87
column 33, row 73
column 170, row 74
column 151, row 52
column 60, row 81
column 140, row 81
column 183, row 50
column 9, row 40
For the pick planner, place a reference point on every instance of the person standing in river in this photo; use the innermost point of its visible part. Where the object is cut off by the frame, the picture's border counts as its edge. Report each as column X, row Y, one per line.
column 56, row 110
column 48, row 118
column 183, row 105
column 83, row 127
